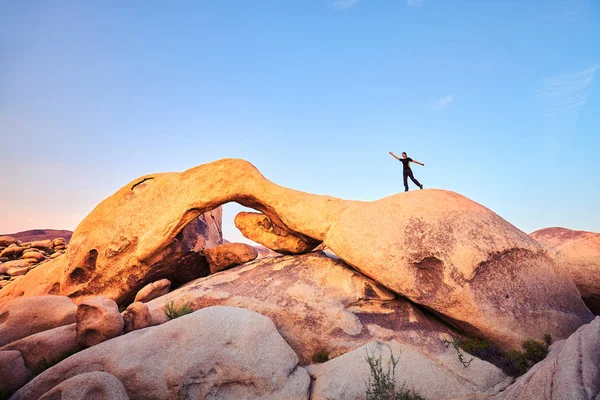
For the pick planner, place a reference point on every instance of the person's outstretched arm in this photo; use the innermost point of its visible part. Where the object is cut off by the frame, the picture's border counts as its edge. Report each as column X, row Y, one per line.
column 416, row 162
column 395, row 156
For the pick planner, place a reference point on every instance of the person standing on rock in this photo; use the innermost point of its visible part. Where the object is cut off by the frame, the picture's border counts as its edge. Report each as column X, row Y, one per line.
column 406, row 171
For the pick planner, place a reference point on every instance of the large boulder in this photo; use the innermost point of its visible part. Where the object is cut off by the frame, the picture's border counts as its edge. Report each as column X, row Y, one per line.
column 260, row 229
column 228, row 255
column 13, row 373
column 222, row 352
column 17, row 264
column 463, row 261
column 47, row 347
column 317, row 303
column 136, row 316
column 347, row 377
column 91, row 385
column 153, row 290
column 25, row 316
column 98, row 319
column 578, row 252
column 571, row 370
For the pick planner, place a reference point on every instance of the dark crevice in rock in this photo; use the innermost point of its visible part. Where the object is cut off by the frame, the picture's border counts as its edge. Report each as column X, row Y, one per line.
column 140, row 182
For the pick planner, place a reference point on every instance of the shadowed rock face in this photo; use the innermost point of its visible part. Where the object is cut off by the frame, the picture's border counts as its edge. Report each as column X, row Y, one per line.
column 579, row 253
column 316, row 302
column 435, row 247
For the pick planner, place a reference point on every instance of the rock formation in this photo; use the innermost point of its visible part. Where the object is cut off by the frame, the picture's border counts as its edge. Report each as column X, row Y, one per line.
column 579, row 253
column 229, row 255
column 570, row 372
column 317, row 303
column 346, row 377
column 220, row 351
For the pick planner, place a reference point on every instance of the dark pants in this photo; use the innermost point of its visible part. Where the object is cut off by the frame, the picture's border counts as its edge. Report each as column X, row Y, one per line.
column 408, row 173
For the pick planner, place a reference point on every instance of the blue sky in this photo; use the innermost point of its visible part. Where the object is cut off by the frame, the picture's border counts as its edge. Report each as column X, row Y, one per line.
column 499, row 99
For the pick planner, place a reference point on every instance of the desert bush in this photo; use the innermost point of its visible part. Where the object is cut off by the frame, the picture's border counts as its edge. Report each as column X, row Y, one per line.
column 456, row 345
column 382, row 383
column 173, row 310
column 535, row 351
column 320, row 356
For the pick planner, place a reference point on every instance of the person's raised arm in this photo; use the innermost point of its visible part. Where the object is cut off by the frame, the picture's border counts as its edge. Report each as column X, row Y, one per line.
column 415, row 161
column 393, row 155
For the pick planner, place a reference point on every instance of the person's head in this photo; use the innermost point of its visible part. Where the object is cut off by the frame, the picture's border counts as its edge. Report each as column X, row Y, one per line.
column 404, row 154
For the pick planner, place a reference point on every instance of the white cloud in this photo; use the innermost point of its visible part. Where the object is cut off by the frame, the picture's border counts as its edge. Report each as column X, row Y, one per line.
column 413, row 3
column 567, row 92
column 443, row 102
column 344, row 3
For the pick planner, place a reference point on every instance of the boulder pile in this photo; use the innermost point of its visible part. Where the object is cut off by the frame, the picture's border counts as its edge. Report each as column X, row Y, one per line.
column 434, row 291
column 17, row 258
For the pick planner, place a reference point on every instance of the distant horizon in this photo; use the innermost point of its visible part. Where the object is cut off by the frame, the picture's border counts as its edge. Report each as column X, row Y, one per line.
column 497, row 99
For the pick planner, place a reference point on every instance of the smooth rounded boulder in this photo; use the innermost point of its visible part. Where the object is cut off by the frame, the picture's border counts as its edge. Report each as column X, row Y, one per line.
column 25, row 316
column 136, row 316
column 579, row 253
column 229, row 255
column 91, row 385
column 98, row 319
column 13, row 373
column 47, row 347
column 153, row 290
column 237, row 352
column 463, row 261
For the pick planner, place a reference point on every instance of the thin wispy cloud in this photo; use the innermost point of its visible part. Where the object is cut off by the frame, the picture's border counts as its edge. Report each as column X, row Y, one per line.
column 443, row 103
column 570, row 10
column 413, row 3
column 344, row 3
column 567, row 92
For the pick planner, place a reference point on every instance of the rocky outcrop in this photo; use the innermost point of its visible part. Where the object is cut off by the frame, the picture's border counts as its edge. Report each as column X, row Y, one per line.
column 229, row 255
column 317, row 303
column 92, row 385
column 347, row 377
column 222, row 352
column 25, row 316
column 98, row 319
column 153, row 290
column 579, row 253
column 571, row 371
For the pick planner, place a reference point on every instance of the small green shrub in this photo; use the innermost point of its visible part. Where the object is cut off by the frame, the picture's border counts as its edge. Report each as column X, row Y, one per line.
column 173, row 311
column 474, row 345
column 382, row 383
column 456, row 345
column 518, row 359
column 535, row 351
column 320, row 356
